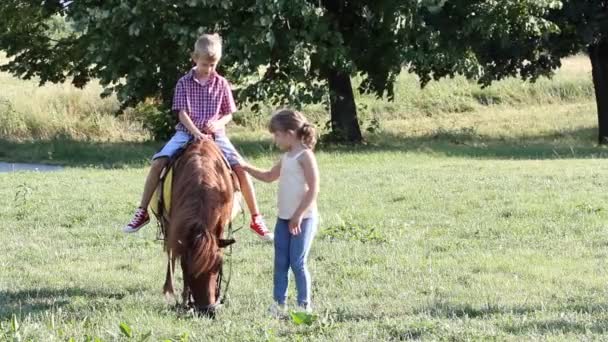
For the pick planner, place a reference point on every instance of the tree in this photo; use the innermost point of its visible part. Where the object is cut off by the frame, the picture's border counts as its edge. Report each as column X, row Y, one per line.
column 303, row 51
column 584, row 27
column 491, row 40
column 307, row 50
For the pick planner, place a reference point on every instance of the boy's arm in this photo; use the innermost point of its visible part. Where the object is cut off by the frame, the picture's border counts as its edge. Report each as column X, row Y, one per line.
column 218, row 124
column 180, row 105
column 311, row 175
column 227, row 107
column 184, row 118
column 224, row 120
column 265, row 176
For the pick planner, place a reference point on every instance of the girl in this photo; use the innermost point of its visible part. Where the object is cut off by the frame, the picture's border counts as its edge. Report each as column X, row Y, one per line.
column 297, row 221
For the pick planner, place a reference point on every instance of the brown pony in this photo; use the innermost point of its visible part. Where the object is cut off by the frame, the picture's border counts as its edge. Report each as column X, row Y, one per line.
column 201, row 205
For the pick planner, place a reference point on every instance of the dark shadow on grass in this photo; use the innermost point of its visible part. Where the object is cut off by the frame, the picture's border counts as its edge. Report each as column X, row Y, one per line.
column 79, row 153
column 460, row 310
column 571, row 144
column 558, row 325
column 412, row 331
column 35, row 301
column 344, row 315
column 566, row 144
column 578, row 143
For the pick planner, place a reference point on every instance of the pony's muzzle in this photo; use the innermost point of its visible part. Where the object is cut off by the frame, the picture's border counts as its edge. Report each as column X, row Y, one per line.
column 208, row 311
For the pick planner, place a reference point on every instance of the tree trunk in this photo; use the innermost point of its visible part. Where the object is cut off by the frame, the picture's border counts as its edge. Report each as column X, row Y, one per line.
column 598, row 53
column 344, row 122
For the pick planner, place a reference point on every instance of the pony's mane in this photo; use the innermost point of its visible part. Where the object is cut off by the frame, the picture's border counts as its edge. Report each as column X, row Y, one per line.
column 200, row 206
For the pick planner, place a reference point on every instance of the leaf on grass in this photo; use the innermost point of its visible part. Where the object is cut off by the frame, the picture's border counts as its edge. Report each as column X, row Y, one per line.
column 300, row 318
column 126, row 330
column 15, row 323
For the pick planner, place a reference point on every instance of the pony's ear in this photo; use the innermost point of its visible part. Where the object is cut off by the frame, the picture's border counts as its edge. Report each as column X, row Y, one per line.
column 226, row 242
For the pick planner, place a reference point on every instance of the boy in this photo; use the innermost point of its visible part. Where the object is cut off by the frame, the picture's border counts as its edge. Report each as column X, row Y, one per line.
column 205, row 105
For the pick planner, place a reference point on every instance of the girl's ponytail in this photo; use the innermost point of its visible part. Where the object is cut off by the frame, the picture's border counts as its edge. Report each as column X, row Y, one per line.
column 308, row 135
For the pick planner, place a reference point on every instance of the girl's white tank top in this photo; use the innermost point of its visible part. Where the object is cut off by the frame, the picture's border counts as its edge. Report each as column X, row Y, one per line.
column 292, row 187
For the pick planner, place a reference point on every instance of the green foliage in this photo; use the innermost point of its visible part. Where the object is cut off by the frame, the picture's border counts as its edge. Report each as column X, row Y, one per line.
column 58, row 28
column 12, row 124
column 490, row 40
column 582, row 23
column 281, row 52
column 158, row 121
column 139, row 50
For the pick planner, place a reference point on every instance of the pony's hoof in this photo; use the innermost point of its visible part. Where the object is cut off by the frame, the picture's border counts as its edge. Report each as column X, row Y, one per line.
column 169, row 297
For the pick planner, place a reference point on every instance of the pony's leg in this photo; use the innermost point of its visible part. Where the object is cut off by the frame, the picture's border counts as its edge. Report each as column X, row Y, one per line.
column 168, row 289
column 186, row 292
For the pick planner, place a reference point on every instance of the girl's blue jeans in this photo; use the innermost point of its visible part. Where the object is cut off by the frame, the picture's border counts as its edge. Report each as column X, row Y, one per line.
column 292, row 251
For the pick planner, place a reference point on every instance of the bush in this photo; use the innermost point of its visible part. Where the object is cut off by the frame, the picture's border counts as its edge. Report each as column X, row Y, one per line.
column 159, row 121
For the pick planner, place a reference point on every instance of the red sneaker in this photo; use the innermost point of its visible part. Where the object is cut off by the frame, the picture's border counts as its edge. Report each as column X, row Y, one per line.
column 259, row 227
column 140, row 219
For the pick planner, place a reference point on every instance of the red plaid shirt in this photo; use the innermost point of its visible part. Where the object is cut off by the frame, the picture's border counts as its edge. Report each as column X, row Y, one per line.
column 204, row 102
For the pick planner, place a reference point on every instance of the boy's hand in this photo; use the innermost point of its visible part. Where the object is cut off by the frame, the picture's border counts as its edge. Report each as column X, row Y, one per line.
column 213, row 127
column 294, row 225
column 200, row 136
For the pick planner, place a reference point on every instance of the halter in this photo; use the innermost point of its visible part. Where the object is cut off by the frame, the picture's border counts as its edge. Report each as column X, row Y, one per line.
column 220, row 277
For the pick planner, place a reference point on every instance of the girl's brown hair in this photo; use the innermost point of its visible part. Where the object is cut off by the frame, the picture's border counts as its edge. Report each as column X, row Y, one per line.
column 287, row 119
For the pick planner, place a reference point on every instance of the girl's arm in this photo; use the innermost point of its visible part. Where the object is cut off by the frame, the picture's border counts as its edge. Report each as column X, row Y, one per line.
column 265, row 176
column 311, row 174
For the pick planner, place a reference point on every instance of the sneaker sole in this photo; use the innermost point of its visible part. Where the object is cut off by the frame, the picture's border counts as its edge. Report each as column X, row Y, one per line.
column 266, row 238
column 133, row 230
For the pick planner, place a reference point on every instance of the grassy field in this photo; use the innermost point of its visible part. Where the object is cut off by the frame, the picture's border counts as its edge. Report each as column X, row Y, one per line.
column 62, row 112
column 485, row 223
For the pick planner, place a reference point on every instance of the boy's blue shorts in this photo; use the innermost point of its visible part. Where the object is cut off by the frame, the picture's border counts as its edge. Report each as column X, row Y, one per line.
column 181, row 138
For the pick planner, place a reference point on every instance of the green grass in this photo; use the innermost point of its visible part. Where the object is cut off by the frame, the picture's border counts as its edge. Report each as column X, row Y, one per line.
column 413, row 244
column 480, row 224
column 533, row 132
column 61, row 111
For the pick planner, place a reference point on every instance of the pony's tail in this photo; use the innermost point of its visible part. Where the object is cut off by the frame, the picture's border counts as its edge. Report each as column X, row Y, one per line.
column 203, row 257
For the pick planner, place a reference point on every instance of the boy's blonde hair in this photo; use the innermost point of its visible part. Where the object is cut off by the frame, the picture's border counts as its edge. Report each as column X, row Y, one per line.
column 208, row 46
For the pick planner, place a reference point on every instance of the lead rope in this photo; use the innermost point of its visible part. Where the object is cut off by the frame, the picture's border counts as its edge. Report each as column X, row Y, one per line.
column 229, row 258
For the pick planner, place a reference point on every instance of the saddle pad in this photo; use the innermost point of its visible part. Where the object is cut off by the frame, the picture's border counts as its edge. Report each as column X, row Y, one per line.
column 163, row 189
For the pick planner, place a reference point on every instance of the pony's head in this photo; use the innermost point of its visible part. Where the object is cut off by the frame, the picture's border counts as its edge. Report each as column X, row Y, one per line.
column 201, row 200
